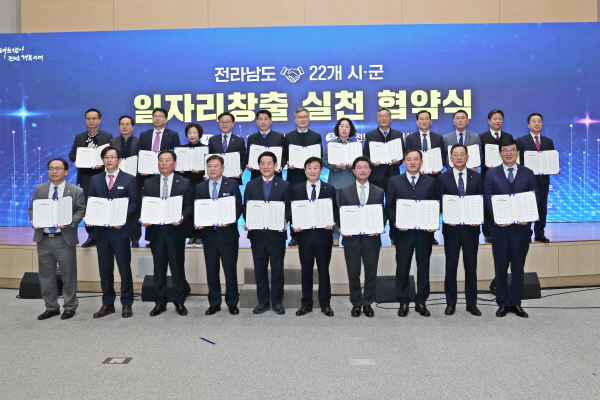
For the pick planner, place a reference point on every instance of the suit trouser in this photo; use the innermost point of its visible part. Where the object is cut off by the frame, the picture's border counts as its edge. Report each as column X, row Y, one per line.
column 370, row 258
column 510, row 246
column 542, row 206
column 136, row 228
column 216, row 252
column 455, row 238
column 322, row 255
column 336, row 229
column 53, row 250
column 407, row 242
column 108, row 250
column 169, row 252
column 263, row 252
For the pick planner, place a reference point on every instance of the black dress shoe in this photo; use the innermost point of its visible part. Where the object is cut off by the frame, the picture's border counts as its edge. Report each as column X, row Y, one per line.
column 355, row 311
column 403, row 310
column 450, row 309
column 68, row 314
column 434, row 241
column 501, row 312
column 278, row 308
column 104, row 311
column 303, row 310
column 126, row 312
column 261, row 308
column 542, row 239
column 48, row 314
column 233, row 310
column 421, row 309
column 368, row 310
column 293, row 242
column 474, row 310
column 89, row 242
column 135, row 243
column 158, row 309
column 327, row 311
column 518, row 310
column 213, row 310
column 181, row 310
column 488, row 239
column 148, row 244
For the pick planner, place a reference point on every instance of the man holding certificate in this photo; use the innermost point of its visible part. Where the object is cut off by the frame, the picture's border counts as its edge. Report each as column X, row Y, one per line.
column 266, row 137
column 167, row 240
column 425, row 140
column 510, row 241
column 461, row 181
column 227, row 142
column 461, row 135
column 112, row 242
column 313, row 226
column 56, row 239
column 411, row 185
column 267, row 231
column 221, row 239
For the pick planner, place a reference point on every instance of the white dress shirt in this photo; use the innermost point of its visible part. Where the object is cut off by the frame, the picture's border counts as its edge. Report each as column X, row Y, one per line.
column 358, row 190
column 428, row 138
column 169, row 183
column 464, row 176
column 317, row 188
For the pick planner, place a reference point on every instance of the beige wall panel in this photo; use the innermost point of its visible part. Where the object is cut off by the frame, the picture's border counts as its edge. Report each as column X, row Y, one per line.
column 154, row 14
column 543, row 259
column 450, row 11
column 548, row 11
column 353, row 12
column 66, row 15
column 579, row 259
column 254, row 13
column 16, row 260
column 87, row 265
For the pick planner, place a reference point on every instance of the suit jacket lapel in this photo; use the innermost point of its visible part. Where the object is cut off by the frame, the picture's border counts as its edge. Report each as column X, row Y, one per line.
column 354, row 194
column 175, row 186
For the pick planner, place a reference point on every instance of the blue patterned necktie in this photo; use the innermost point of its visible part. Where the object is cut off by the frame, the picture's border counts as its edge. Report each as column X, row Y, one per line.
column 54, row 197
column 511, row 177
column 425, row 148
column 224, row 143
column 313, row 195
column 215, row 195
column 460, row 140
column 461, row 184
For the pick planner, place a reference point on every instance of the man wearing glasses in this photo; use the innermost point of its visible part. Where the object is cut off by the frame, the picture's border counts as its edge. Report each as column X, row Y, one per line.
column 93, row 137
column 227, row 142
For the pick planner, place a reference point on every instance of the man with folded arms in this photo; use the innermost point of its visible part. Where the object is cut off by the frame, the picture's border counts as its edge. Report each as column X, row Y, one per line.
column 315, row 244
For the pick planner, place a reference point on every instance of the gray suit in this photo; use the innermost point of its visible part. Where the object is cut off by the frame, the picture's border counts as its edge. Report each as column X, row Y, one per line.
column 469, row 139
column 59, row 249
column 116, row 143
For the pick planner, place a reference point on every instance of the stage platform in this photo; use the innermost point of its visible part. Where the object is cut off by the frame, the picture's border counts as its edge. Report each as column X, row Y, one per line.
column 571, row 259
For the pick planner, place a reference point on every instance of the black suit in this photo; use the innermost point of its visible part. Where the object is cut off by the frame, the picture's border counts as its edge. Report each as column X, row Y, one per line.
column 510, row 244
column 236, row 143
column 361, row 247
column 411, row 240
column 113, row 243
column 415, row 141
column 221, row 244
column 526, row 143
column 296, row 176
column 116, row 142
column 273, row 139
column 167, row 242
column 315, row 245
column 381, row 174
column 267, row 245
column 460, row 236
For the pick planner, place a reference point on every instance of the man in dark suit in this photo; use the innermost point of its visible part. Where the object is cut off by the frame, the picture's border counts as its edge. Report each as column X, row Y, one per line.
column 495, row 135
column 158, row 138
column 460, row 181
column 167, row 242
column 221, row 242
column 412, row 186
column 268, row 245
column 113, row 242
column 461, row 135
column 267, row 138
column 424, row 139
column 93, row 137
column 381, row 173
column 227, row 142
column 361, row 247
column 510, row 242
column 315, row 244
column 534, row 141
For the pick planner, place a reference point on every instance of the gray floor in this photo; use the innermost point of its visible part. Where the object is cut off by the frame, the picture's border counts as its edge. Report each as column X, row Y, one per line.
column 553, row 354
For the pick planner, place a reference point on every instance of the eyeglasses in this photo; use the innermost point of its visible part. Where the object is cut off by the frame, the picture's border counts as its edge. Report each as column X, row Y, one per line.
column 110, row 157
column 57, row 169
column 511, row 151
column 125, row 124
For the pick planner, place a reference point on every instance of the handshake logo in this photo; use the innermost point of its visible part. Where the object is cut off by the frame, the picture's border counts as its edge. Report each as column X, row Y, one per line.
column 292, row 74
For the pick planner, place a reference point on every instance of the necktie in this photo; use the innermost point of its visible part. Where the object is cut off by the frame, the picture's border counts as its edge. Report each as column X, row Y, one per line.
column 511, row 177
column 425, row 148
column 224, row 143
column 363, row 196
column 267, row 189
column 110, row 182
column 165, row 190
column 215, row 195
column 313, row 195
column 537, row 143
column 461, row 184
column 497, row 135
column 265, row 135
column 156, row 146
column 460, row 140
column 413, row 183
column 54, row 197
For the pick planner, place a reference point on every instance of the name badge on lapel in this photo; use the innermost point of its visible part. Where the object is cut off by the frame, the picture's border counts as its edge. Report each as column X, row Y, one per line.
column 120, row 187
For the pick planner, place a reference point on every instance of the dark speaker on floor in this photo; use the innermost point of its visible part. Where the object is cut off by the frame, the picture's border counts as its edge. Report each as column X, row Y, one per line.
column 386, row 289
column 149, row 294
column 30, row 288
column 531, row 286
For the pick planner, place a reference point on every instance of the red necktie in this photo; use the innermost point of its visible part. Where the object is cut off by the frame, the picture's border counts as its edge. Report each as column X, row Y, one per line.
column 537, row 143
column 497, row 135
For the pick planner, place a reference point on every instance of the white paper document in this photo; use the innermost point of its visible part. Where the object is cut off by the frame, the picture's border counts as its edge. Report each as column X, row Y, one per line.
column 190, row 158
column 492, row 155
column 232, row 163
column 299, row 154
column 106, row 212
column 361, row 220
column 417, row 214
column 343, row 153
column 157, row 211
column 514, row 208
column 209, row 212
column 312, row 214
column 129, row 165
column 48, row 213
column 474, row 156
column 386, row 152
column 148, row 162
column 542, row 162
column 462, row 210
column 432, row 161
column 265, row 215
column 89, row 157
column 256, row 150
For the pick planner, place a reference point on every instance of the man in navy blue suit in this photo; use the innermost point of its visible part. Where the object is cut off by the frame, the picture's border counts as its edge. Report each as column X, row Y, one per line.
column 268, row 138
column 460, row 181
column 413, row 186
column 268, row 245
column 227, row 142
column 221, row 242
column 315, row 244
column 510, row 242
column 424, row 139
column 113, row 242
